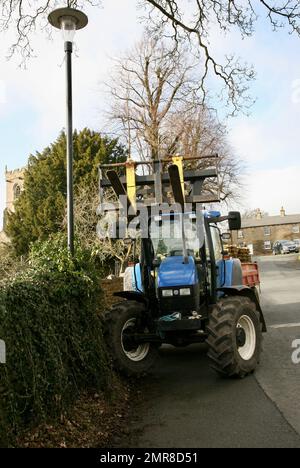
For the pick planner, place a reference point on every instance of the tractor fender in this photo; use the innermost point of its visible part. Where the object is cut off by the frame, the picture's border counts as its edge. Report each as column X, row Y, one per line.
column 246, row 292
column 133, row 296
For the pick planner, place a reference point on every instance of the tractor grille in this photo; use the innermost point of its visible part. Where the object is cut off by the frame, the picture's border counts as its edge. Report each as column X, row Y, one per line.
column 177, row 303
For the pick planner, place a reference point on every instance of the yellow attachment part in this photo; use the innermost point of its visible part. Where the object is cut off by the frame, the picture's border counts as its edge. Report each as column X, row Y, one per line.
column 130, row 179
column 178, row 161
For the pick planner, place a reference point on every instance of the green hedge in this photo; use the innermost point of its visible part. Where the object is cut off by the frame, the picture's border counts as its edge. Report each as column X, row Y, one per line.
column 49, row 319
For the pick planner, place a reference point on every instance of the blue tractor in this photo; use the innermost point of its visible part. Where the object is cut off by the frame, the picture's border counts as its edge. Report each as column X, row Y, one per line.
column 182, row 289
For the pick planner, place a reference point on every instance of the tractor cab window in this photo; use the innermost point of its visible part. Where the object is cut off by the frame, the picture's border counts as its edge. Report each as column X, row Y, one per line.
column 167, row 239
column 217, row 243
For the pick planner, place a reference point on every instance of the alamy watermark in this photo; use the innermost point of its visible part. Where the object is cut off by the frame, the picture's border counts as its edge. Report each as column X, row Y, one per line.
column 296, row 353
column 2, row 352
column 155, row 221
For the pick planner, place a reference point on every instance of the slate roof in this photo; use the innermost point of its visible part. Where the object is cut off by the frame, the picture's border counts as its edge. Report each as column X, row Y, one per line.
column 271, row 221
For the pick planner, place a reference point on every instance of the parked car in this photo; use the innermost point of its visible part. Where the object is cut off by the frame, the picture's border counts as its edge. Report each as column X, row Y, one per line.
column 285, row 247
column 297, row 242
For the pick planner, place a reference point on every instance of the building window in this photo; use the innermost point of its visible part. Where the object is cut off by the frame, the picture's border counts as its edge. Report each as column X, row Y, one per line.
column 295, row 229
column 267, row 230
column 17, row 191
column 267, row 245
column 240, row 235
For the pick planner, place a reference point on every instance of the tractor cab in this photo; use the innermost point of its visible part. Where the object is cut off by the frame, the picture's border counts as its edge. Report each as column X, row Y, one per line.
column 176, row 260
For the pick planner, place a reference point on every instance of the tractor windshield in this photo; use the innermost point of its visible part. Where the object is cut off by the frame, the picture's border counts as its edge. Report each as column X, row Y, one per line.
column 167, row 238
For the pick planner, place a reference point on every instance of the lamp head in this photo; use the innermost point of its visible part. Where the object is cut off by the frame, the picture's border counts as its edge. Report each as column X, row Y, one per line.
column 68, row 20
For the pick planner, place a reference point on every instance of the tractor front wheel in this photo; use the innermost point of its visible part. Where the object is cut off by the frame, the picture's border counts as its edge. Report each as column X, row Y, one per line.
column 235, row 337
column 121, row 322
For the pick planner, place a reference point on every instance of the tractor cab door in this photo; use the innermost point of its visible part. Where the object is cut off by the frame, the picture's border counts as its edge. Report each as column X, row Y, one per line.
column 214, row 256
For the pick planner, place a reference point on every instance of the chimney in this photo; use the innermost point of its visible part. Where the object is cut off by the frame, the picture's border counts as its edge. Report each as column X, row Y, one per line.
column 282, row 212
column 258, row 214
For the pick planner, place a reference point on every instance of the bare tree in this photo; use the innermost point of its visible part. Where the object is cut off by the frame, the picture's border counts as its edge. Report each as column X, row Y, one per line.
column 252, row 214
column 204, row 135
column 86, row 219
column 149, row 85
column 153, row 91
column 181, row 21
column 191, row 22
column 26, row 17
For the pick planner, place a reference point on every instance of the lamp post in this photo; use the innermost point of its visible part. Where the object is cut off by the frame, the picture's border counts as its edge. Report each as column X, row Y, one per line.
column 68, row 20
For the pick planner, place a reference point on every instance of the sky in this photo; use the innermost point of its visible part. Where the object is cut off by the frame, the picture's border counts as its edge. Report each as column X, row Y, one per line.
column 32, row 101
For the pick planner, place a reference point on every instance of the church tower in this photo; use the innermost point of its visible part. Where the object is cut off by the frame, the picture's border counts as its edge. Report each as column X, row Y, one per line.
column 14, row 186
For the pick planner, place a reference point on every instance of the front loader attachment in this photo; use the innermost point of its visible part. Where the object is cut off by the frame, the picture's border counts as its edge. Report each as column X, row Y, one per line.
column 165, row 181
column 176, row 185
column 121, row 193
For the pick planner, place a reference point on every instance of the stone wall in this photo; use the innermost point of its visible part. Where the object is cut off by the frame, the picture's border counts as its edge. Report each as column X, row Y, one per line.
column 110, row 286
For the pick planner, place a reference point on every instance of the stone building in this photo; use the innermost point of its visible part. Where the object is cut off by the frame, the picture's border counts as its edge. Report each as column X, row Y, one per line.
column 260, row 233
column 14, row 186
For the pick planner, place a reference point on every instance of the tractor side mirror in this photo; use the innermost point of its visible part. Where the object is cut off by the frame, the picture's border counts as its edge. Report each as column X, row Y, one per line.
column 234, row 220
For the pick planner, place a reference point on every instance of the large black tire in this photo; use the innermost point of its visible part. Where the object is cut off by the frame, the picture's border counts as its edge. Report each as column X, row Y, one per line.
column 127, row 360
column 234, row 337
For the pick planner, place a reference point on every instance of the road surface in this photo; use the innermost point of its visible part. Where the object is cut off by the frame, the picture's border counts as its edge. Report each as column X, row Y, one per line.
column 187, row 405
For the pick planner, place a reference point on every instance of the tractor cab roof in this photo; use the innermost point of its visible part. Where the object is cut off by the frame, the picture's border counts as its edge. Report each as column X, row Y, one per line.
column 212, row 214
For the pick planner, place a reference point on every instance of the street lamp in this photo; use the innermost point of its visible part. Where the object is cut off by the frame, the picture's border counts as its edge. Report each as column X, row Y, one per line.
column 68, row 20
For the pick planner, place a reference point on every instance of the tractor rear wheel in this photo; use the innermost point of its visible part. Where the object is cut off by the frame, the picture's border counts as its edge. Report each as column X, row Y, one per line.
column 120, row 322
column 234, row 337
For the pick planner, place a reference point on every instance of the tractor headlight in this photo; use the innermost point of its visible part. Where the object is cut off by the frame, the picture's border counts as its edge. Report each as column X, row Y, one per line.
column 167, row 292
column 176, row 292
column 185, row 292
